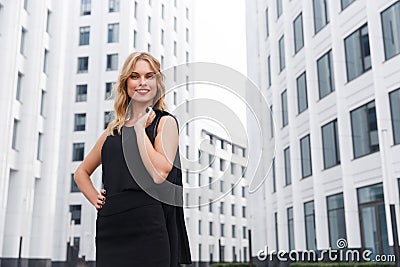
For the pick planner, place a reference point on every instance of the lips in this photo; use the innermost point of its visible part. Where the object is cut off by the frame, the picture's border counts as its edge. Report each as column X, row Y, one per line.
column 142, row 91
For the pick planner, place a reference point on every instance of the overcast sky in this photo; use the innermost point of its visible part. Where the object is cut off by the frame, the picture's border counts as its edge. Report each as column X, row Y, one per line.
column 220, row 32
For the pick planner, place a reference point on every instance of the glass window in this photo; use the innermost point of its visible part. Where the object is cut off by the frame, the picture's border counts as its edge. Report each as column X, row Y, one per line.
column 244, row 232
column 276, row 231
column 175, row 23
column 81, row 93
column 221, row 207
column 282, row 53
column 112, row 62
column 78, row 151
column 39, row 155
column 309, row 217
column 210, row 181
column 210, row 227
column 42, row 102
column 320, row 14
column 266, row 23
column 326, row 84
column 221, row 186
column 83, row 64
column 113, row 33
column 86, row 7
column 273, row 176
column 298, row 33
column 278, row 8
column 108, row 117
column 175, row 48
column 244, row 212
column 358, row 56
column 162, row 11
column 306, row 164
column 149, row 24
column 45, row 59
column 374, row 235
column 15, row 134
column 113, row 6
column 80, row 122
column 210, row 205
column 330, row 144
column 26, row 5
column 22, row 44
column 108, row 91
column 222, row 229
column 336, row 219
column 364, row 130
column 390, row 26
column 135, row 9
column 84, row 35
column 395, row 111
column 345, row 3
column 302, row 102
column 134, row 38
column 48, row 21
column 233, row 231
column 187, row 35
column 233, row 208
column 221, row 164
column 74, row 186
column 75, row 213
column 19, row 86
column 285, row 119
column 243, row 191
column 288, row 174
column 233, row 168
column 269, row 70
column 290, row 228
column 199, row 227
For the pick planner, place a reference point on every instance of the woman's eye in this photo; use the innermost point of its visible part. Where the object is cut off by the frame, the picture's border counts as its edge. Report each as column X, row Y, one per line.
column 150, row 76
column 135, row 77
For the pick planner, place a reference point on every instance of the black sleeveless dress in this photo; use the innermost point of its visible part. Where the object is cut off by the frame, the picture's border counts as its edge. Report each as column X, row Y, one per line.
column 133, row 228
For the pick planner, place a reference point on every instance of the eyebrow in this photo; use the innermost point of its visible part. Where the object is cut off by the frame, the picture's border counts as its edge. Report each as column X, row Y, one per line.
column 151, row 72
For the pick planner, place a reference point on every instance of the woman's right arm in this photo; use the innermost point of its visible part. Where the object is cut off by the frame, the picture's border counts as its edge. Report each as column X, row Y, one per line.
column 85, row 169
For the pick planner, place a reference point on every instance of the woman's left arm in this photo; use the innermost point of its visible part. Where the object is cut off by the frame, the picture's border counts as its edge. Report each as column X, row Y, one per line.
column 158, row 160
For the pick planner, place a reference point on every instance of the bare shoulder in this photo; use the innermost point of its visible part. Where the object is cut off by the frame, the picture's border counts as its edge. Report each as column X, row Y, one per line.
column 168, row 123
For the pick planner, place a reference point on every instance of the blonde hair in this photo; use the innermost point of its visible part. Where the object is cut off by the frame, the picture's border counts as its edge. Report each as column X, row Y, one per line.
column 122, row 98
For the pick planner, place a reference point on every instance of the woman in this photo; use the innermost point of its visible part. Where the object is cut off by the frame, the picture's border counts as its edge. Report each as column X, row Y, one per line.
column 132, row 227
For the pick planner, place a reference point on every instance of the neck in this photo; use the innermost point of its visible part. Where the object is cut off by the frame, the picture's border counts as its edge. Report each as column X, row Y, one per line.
column 139, row 108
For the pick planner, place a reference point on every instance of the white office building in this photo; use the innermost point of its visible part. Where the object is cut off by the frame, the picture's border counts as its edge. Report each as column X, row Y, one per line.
column 330, row 71
column 60, row 59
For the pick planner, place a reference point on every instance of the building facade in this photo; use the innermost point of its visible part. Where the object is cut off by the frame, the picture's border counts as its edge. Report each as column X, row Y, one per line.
column 60, row 60
column 329, row 70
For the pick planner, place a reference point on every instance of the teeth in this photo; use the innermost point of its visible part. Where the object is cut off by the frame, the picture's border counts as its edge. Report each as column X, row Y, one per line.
column 142, row 90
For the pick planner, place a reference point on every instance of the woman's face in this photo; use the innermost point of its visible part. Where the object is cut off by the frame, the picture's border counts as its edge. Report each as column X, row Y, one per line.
column 142, row 84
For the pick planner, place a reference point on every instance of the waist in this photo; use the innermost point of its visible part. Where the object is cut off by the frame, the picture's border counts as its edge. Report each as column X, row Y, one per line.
column 126, row 200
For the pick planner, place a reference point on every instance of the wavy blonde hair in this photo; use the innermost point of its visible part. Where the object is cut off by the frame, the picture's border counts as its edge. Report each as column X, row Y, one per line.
column 122, row 98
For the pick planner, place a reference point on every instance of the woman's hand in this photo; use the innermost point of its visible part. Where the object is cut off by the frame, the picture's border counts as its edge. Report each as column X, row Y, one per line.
column 101, row 199
column 144, row 119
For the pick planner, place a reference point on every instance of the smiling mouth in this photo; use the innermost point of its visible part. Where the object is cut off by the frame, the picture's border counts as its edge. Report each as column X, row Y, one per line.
column 142, row 90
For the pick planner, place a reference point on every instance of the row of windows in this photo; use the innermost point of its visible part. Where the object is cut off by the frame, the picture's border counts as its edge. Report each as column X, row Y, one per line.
column 365, row 139
column 370, row 203
column 221, row 252
column 114, row 6
column 111, row 63
column 357, row 47
column 236, row 149
column 112, row 35
column 80, row 120
column 222, row 230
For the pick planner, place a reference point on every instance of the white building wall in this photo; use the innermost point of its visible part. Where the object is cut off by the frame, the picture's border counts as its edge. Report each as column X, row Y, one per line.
column 374, row 84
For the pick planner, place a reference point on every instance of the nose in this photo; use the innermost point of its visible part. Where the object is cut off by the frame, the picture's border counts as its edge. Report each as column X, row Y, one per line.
column 143, row 80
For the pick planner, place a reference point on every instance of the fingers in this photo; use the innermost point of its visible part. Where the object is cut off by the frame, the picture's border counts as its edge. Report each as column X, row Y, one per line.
column 101, row 199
